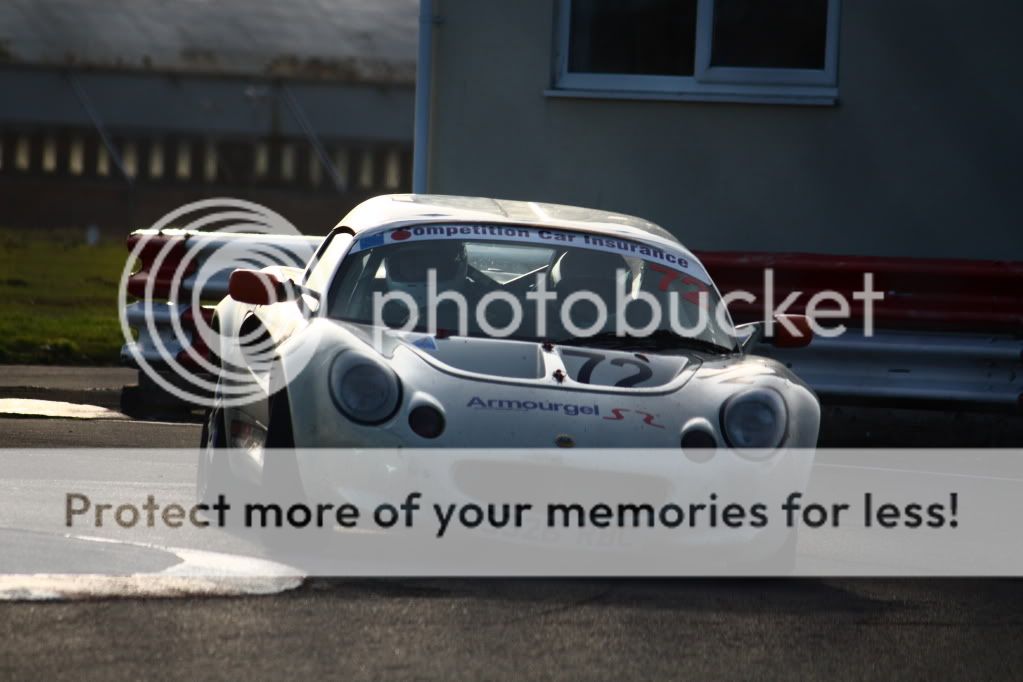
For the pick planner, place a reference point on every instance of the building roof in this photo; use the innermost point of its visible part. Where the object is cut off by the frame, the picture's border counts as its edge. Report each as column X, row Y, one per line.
column 372, row 40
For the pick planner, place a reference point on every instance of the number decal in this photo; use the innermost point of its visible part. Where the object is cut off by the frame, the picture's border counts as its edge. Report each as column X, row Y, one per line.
column 593, row 359
column 586, row 371
column 639, row 377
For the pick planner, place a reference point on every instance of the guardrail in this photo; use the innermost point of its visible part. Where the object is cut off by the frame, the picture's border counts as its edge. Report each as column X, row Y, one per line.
column 947, row 331
column 206, row 261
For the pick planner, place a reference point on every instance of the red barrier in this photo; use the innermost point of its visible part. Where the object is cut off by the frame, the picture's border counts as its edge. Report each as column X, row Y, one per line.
column 923, row 294
column 174, row 249
column 931, row 294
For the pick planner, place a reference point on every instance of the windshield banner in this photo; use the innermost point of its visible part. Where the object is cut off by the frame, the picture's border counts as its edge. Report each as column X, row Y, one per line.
column 628, row 248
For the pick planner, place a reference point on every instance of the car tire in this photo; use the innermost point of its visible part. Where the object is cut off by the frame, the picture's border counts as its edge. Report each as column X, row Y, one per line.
column 280, row 467
column 281, row 482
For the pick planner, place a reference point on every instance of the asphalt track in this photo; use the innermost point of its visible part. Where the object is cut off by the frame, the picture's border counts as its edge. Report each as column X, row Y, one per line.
column 518, row 629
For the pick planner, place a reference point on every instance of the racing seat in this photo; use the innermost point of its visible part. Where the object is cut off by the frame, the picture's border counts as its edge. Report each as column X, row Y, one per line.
column 585, row 270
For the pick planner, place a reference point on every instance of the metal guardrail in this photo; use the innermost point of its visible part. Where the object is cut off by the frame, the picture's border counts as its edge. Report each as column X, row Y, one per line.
column 203, row 261
column 950, row 331
column 982, row 370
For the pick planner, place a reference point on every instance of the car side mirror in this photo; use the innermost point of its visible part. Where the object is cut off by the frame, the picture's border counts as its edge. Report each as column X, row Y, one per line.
column 753, row 333
column 256, row 287
column 799, row 336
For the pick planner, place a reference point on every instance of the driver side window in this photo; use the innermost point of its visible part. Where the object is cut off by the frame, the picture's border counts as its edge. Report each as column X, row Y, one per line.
column 327, row 260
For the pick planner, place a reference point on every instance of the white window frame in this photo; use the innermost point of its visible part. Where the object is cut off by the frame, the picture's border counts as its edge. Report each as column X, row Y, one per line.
column 708, row 83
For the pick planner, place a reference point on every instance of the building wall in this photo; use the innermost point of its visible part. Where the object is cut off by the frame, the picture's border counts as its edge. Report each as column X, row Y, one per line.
column 922, row 156
column 186, row 137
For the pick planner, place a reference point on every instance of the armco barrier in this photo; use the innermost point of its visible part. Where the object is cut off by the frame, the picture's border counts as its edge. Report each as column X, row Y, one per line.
column 946, row 330
column 197, row 257
column 925, row 294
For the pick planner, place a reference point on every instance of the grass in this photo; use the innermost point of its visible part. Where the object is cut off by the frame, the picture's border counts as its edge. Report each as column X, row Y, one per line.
column 58, row 298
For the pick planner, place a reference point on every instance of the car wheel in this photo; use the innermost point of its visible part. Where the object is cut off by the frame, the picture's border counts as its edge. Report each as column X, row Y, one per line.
column 281, row 481
column 281, row 484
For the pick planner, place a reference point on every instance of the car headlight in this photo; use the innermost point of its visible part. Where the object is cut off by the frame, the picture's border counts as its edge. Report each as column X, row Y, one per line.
column 756, row 419
column 364, row 390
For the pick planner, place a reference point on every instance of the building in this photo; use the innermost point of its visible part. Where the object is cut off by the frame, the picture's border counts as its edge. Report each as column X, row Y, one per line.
column 114, row 113
column 820, row 126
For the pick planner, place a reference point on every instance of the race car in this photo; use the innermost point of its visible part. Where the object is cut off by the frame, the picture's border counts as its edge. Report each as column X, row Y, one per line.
column 462, row 322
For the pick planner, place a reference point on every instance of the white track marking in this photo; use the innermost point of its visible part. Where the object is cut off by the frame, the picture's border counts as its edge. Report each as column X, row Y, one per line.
column 198, row 574
column 55, row 408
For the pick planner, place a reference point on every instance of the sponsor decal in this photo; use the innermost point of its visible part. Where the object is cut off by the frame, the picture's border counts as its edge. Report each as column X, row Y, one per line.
column 568, row 409
column 594, row 242
column 618, row 414
column 509, row 405
column 424, row 341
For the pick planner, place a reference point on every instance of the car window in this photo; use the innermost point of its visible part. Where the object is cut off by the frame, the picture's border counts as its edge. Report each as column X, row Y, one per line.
column 327, row 260
column 501, row 262
column 593, row 283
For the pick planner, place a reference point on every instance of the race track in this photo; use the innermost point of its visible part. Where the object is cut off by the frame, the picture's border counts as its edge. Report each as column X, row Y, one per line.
column 473, row 629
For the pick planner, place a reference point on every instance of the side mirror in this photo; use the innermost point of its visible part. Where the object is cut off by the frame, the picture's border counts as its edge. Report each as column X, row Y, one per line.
column 752, row 333
column 785, row 338
column 259, row 288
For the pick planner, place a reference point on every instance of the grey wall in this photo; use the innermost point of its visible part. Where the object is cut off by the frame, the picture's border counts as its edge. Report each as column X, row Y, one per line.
column 921, row 157
column 44, row 97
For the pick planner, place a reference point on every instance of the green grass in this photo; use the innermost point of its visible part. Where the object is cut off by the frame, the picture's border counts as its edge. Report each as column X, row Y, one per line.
column 58, row 298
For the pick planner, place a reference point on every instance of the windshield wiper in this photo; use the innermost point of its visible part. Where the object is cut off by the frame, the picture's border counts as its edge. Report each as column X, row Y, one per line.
column 660, row 339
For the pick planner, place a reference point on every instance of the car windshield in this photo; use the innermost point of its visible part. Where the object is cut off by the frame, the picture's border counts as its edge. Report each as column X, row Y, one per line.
column 521, row 283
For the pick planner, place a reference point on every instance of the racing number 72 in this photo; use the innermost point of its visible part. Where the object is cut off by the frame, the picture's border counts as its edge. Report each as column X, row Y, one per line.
column 593, row 359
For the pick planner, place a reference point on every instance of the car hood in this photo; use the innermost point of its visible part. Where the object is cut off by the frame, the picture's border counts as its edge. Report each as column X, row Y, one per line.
column 501, row 393
column 533, row 362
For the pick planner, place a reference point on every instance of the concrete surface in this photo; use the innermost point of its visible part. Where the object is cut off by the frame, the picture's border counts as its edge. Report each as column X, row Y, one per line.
column 508, row 629
column 99, row 386
column 533, row 629
column 57, row 377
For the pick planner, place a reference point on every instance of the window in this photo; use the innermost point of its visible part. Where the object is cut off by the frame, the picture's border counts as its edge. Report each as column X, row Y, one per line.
column 315, row 172
column 130, row 159
column 156, row 160
column 341, row 165
column 76, row 156
column 183, row 165
column 366, row 171
column 326, row 261
column 102, row 162
column 729, row 50
column 22, row 153
column 287, row 162
column 392, row 170
column 49, row 154
column 210, row 165
column 261, row 160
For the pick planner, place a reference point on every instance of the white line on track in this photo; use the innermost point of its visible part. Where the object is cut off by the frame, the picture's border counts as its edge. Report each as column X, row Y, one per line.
column 25, row 407
column 198, row 574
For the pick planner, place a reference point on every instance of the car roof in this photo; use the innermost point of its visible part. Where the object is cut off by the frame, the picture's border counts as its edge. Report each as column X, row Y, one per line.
column 393, row 210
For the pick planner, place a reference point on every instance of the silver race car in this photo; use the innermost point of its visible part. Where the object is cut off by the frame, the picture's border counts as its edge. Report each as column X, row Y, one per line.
column 455, row 322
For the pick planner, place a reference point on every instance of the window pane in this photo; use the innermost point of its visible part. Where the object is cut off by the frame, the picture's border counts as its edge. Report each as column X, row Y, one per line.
column 156, row 160
column 287, row 162
column 183, row 167
column 76, row 156
column 366, row 170
column 210, row 162
column 776, row 34
column 130, row 159
column 643, row 37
